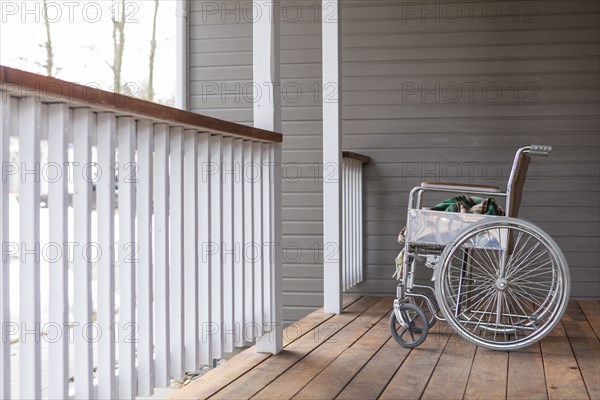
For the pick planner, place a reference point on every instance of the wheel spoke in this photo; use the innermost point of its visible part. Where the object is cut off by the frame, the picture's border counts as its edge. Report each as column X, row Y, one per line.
column 529, row 262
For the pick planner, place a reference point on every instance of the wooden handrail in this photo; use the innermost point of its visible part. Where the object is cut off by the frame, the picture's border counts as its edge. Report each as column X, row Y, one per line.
column 355, row 156
column 20, row 83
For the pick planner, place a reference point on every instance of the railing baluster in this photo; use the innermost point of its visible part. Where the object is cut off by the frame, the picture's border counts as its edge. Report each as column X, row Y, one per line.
column 352, row 268
column 216, row 242
column 6, row 114
column 258, row 237
column 190, row 249
column 176, row 316
column 228, row 246
column 360, row 224
column 249, row 245
column 358, row 219
column 29, row 218
column 352, row 216
column 350, row 225
column 345, row 212
column 127, row 255
column 204, row 270
column 145, row 359
column 82, row 268
column 161, row 260
column 105, row 206
column 348, row 218
column 238, row 241
column 353, row 223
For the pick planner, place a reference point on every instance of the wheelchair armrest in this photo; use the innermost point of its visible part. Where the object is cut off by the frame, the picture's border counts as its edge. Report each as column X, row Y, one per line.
column 460, row 187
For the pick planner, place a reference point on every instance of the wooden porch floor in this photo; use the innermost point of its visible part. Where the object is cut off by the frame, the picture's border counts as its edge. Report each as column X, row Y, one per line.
column 352, row 356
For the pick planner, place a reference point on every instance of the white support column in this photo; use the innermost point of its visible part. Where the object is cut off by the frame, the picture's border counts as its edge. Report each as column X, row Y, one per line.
column 332, row 152
column 266, row 65
column 273, row 342
column 5, row 116
column 181, row 89
column 267, row 115
column 266, row 237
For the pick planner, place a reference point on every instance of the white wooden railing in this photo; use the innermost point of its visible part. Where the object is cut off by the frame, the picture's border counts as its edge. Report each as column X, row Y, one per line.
column 352, row 218
column 139, row 242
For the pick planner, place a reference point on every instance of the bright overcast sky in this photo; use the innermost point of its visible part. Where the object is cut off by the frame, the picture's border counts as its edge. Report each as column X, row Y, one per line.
column 82, row 39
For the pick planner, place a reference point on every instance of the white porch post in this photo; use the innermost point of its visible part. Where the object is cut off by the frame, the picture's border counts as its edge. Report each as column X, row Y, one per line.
column 5, row 374
column 181, row 44
column 332, row 153
column 267, row 115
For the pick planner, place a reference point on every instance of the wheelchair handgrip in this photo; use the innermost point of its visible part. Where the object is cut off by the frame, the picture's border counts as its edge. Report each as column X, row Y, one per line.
column 539, row 150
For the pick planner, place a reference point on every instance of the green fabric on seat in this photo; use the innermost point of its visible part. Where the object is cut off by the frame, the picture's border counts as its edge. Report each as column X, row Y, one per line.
column 473, row 205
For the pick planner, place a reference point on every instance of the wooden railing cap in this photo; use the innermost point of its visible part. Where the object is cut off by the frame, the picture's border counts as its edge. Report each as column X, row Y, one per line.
column 355, row 156
column 51, row 90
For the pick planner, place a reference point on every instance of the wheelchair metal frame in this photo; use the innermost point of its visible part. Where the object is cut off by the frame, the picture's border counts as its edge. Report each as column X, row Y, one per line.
column 409, row 292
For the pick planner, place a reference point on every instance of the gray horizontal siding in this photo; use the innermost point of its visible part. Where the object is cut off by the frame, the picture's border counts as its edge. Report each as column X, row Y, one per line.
column 498, row 83
column 221, row 86
column 417, row 101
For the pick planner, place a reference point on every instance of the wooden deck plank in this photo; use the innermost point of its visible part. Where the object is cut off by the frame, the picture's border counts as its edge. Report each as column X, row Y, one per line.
column 351, row 356
column 563, row 379
column 294, row 379
column 332, row 380
column 526, row 379
column 257, row 378
column 218, row 378
column 488, row 375
column 586, row 347
column 451, row 374
column 374, row 377
column 411, row 379
column 312, row 320
column 591, row 309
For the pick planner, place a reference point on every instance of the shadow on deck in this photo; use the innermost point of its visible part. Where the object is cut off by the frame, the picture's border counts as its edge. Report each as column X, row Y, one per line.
column 352, row 356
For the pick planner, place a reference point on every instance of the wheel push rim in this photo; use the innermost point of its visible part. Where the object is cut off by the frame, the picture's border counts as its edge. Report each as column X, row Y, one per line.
column 503, row 285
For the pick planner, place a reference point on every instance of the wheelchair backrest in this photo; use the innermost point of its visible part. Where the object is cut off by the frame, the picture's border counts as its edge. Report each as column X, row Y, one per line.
column 516, row 182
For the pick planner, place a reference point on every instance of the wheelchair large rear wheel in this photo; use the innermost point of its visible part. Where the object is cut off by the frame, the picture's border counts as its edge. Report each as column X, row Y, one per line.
column 503, row 284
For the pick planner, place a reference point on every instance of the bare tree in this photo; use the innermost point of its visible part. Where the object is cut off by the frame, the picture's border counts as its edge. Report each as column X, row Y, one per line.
column 118, row 22
column 49, row 66
column 150, row 94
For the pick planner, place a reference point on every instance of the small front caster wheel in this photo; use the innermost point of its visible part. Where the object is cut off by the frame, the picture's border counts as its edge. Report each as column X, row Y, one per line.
column 412, row 330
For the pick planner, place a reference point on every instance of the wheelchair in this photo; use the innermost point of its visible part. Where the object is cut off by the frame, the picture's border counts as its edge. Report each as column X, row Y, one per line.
column 498, row 281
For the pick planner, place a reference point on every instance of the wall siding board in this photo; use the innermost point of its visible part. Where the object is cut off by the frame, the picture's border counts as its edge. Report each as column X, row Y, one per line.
column 408, row 105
